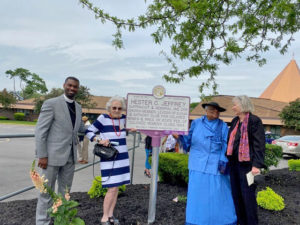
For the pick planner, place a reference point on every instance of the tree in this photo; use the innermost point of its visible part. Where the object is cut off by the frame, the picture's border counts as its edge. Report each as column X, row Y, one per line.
column 34, row 84
column 290, row 115
column 83, row 97
column 34, row 87
column 7, row 99
column 55, row 92
column 204, row 33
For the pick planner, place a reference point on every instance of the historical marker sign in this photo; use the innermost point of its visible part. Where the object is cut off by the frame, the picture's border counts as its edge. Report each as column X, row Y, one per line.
column 157, row 115
column 146, row 112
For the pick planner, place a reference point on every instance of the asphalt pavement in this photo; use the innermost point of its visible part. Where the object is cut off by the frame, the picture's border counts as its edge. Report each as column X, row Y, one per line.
column 17, row 154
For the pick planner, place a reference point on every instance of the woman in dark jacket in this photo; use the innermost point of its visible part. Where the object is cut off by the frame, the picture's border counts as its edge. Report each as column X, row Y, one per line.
column 245, row 151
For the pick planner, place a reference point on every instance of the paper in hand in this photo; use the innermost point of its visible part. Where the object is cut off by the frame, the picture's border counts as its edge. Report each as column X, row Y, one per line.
column 250, row 177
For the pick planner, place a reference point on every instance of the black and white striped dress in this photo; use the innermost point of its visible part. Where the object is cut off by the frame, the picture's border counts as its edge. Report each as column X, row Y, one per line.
column 116, row 173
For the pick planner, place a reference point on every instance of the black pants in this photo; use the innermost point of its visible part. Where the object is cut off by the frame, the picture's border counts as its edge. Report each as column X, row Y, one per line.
column 171, row 150
column 244, row 197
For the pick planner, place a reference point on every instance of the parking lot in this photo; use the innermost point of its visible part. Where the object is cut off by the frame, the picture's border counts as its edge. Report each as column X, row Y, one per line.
column 17, row 154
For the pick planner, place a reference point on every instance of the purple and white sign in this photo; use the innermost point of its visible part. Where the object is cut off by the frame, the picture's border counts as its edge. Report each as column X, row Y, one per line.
column 146, row 112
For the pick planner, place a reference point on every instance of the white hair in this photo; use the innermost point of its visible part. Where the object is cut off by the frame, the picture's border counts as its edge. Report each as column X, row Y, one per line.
column 244, row 102
column 113, row 99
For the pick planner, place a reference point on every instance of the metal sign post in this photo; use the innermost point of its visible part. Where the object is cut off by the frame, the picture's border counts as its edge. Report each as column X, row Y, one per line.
column 157, row 115
column 154, row 178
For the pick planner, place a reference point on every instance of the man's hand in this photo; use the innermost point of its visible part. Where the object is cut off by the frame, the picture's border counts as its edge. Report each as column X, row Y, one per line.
column 43, row 163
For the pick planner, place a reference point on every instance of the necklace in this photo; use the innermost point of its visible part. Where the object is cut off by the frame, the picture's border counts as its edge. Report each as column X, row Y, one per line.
column 117, row 133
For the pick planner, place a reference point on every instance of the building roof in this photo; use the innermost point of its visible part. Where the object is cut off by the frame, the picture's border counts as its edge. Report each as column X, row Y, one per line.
column 285, row 87
column 266, row 109
column 100, row 101
column 99, row 108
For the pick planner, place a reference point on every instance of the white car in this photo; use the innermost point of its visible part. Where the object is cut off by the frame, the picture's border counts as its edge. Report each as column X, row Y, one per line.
column 290, row 144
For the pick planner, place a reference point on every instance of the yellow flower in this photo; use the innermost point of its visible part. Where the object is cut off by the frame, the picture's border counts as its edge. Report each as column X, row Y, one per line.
column 67, row 196
column 54, row 209
column 38, row 181
column 56, row 204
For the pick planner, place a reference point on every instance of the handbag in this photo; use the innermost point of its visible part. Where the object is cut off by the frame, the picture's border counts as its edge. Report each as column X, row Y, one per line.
column 105, row 152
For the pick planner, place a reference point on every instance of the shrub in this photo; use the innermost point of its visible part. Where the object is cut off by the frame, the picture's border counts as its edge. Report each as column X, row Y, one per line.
column 173, row 168
column 269, row 200
column 272, row 155
column 182, row 198
column 3, row 118
column 97, row 190
column 19, row 116
column 294, row 164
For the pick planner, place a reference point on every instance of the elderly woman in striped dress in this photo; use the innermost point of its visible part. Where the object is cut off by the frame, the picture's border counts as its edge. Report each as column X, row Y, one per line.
column 114, row 172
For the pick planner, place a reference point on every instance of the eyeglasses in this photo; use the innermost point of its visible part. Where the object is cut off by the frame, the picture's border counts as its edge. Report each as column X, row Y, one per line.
column 116, row 108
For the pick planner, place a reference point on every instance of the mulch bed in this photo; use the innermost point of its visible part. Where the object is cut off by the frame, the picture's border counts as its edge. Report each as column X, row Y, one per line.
column 132, row 206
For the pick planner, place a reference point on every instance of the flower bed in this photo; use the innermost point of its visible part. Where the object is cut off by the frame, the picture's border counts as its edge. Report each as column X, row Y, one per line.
column 132, row 205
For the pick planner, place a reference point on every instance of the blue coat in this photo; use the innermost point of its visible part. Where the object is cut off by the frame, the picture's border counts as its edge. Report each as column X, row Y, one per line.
column 207, row 145
column 208, row 189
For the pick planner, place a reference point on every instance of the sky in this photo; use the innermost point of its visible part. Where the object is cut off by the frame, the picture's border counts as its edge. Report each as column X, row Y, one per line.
column 56, row 39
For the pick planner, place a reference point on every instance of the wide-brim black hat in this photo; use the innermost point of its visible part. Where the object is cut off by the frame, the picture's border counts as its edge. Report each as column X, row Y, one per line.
column 214, row 104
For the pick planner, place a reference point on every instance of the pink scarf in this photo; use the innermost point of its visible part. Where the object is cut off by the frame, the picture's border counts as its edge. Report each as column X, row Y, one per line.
column 244, row 141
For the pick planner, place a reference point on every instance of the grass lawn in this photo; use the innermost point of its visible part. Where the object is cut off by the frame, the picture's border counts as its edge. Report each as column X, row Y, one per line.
column 17, row 122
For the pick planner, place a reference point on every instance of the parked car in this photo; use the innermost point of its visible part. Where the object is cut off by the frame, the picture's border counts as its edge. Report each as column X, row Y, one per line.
column 271, row 137
column 290, row 144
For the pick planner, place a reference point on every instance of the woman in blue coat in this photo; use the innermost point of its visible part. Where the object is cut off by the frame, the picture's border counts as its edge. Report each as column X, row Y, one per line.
column 209, row 199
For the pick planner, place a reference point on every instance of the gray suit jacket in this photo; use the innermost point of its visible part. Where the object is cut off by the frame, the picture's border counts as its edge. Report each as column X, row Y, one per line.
column 54, row 133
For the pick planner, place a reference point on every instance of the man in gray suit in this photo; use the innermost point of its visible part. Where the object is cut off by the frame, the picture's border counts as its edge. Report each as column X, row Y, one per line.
column 56, row 143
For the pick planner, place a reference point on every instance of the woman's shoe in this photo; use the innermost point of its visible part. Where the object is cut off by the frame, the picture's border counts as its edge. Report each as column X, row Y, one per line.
column 113, row 220
column 106, row 223
column 147, row 173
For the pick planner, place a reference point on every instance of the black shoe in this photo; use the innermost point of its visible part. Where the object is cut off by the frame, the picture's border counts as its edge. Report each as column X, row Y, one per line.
column 113, row 220
column 147, row 174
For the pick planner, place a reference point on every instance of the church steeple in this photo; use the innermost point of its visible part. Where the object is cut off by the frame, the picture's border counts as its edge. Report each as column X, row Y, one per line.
column 286, row 86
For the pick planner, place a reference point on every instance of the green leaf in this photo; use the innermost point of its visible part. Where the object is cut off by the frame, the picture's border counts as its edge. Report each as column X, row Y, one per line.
column 72, row 204
column 33, row 165
column 204, row 34
column 72, row 213
column 78, row 221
